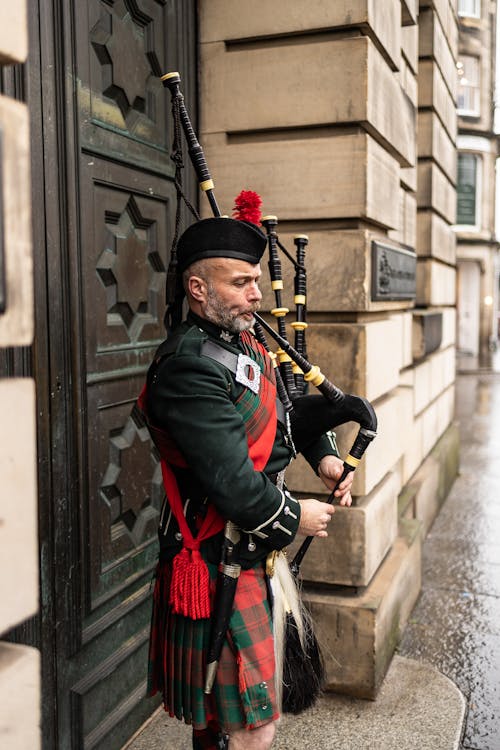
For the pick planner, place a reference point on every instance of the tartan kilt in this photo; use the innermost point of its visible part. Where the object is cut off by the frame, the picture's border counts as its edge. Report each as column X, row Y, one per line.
column 244, row 692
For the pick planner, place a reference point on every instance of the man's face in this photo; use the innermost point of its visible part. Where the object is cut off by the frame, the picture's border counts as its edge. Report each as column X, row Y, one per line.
column 231, row 294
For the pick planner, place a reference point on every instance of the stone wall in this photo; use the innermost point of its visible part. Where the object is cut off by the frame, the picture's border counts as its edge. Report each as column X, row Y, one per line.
column 19, row 665
column 342, row 116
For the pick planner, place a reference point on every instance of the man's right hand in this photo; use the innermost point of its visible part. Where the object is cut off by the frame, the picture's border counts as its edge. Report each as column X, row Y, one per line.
column 314, row 517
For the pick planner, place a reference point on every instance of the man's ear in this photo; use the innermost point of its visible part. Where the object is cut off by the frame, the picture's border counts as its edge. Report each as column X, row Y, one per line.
column 197, row 288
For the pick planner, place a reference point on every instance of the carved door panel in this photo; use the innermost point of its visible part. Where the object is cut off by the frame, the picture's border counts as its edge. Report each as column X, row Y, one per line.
column 110, row 209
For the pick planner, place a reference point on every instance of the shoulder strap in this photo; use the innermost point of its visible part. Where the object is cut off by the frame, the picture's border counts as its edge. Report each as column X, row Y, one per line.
column 223, row 356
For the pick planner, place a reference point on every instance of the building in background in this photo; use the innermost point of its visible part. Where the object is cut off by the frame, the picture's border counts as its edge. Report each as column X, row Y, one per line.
column 343, row 116
column 477, row 146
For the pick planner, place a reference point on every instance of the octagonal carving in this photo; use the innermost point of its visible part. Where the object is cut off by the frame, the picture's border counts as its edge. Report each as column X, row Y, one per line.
column 123, row 41
column 131, row 270
column 132, row 486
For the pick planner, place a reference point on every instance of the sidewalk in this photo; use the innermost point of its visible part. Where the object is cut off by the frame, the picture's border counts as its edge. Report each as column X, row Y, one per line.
column 456, row 623
column 417, row 709
column 451, row 646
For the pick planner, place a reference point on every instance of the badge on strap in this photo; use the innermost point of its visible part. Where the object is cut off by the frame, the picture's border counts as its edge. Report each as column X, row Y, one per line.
column 248, row 373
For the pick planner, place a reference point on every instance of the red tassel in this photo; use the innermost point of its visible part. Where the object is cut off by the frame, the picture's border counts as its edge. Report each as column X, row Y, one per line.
column 247, row 207
column 190, row 587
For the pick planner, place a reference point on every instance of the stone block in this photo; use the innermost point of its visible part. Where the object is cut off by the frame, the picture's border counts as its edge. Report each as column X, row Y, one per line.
column 426, row 500
column 446, row 13
column 447, row 452
column 19, row 508
column 436, row 192
column 436, row 418
column 413, row 454
column 449, row 327
column 407, row 338
column 353, row 353
column 387, row 448
column 20, row 697
column 435, row 283
column 367, row 91
column 435, row 237
column 338, row 271
column 14, row 33
column 435, row 143
column 427, row 332
column 364, row 175
column 359, row 633
column 433, row 43
column 408, row 177
column 410, row 219
column 432, row 377
column 422, row 393
column 407, row 231
column 233, row 20
column 409, row 83
column 16, row 323
column 443, row 370
column 404, row 322
column 359, row 539
column 433, row 93
column 429, row 486
column 409, row 46
column 409, row 12
column 380, row 458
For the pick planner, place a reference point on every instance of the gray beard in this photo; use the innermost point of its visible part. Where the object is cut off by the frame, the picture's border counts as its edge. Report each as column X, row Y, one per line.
column 217, row 313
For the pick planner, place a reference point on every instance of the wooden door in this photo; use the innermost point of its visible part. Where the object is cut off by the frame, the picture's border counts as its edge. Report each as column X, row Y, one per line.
column 469, row 289
column 104, row 206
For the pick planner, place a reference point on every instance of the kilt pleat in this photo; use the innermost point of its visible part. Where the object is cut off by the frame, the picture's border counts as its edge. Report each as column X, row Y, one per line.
column 243, row 693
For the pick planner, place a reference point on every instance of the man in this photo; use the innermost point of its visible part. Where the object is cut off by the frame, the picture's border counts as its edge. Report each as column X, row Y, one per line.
column 210, row 403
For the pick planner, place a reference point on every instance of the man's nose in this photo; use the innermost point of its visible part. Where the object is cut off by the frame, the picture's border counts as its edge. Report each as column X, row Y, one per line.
column 254, row 293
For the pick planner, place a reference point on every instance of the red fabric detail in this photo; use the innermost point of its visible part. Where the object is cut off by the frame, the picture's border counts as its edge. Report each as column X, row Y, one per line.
column 259, row 450
column 212, row 523
column 190, row 589
column 167, row 447
column 141, row 399
column 247, row 207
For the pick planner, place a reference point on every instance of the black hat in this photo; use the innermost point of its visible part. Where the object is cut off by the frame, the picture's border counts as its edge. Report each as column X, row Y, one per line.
column 220, row 238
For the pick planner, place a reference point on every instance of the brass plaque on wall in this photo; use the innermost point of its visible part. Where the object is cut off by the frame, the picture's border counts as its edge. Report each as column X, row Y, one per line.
column 394, row 273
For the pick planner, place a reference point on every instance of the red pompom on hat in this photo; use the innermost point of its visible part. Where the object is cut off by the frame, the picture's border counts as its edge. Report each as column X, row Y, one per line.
column 247, row 207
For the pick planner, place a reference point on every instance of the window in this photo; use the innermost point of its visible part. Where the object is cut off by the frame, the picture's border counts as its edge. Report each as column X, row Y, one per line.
column 468, row 190
column 468, row 86
column 470, row 8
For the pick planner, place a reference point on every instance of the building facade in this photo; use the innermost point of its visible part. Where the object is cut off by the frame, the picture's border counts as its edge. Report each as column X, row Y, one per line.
column 477, row 145
column 342, row 115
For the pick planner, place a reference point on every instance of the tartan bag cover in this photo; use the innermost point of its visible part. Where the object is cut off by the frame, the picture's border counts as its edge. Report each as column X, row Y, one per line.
column 243, row 693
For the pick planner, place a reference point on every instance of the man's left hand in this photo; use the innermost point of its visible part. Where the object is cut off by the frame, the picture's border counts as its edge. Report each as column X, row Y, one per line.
column 330, row 469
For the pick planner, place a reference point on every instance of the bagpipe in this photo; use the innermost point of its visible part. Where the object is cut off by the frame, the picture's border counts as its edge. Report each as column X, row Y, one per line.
column 307, row 417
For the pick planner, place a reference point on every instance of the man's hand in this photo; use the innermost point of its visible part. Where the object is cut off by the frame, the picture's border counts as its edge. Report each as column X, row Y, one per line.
column 330, row 469
column 314, row 517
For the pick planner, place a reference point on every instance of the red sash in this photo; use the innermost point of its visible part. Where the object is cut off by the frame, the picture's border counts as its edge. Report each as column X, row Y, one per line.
column 190, row 587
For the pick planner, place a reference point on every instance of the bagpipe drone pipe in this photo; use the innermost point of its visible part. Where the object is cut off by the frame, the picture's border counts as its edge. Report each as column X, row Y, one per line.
column 308, row 417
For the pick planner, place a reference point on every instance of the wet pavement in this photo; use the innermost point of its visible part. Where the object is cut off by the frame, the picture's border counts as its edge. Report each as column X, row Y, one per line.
column 455, row 626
